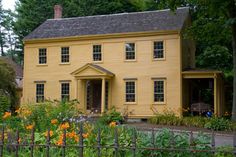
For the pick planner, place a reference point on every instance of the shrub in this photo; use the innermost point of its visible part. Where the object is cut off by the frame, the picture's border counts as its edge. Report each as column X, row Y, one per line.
column 218, row 124
column 167, row 118
column 111, row 116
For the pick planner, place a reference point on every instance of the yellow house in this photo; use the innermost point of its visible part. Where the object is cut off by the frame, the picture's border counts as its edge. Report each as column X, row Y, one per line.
column 134, row 61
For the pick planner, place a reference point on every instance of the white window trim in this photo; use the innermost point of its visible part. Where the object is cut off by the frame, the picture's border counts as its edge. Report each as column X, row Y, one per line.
column 63, row 82
column 135, row 52
column 165, row 90
column 164, row 51
column 43, row 64
column 136, row 95
column 102, row 54
column 65, row 63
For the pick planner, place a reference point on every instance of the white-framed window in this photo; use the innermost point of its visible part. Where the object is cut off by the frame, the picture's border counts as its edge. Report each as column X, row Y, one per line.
column 97, row 52
column 39, row 92
column 65, row 55
column 130, row 51
column 158, row 50
column 130, row 91
column 159, row 90
column 42, row 56
column 65, row 91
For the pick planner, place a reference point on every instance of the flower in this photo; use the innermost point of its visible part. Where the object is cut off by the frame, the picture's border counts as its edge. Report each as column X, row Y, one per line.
column 19, row 140
column 29, row 127
column 85, row 135
column 6, row 115
column 71, row 134
column 54, row 121
column 17, row 111
column 64, row 126
column 112, row 124
column 50, row 133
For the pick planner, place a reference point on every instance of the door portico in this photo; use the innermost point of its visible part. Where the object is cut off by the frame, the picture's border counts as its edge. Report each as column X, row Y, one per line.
column 92, row 72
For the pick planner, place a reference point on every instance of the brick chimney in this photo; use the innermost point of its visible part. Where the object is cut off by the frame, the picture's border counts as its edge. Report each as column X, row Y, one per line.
column 57, row 12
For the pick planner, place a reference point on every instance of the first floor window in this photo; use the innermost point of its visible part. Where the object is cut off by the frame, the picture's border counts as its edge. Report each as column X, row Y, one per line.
column 158, row 50
column 42, row 56
column 39, row 93
column 159, row 95
column 130, row 91
column 130, row 51
column 65, row 91
column 65, row 54
column 97, row 52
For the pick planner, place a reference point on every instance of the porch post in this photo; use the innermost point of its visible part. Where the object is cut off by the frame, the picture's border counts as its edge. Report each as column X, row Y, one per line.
column 103, row 96
column 215, row 96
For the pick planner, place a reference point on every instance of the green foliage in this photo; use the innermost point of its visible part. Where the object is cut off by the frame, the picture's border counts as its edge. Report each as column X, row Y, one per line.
column 111, row 116
column 215, row 123
column 218, row 124
column 4, row 104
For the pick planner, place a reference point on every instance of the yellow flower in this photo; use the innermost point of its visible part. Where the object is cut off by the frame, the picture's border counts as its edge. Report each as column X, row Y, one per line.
column 54, row 121
column 85, row 135
column 112, row 124
column 64, row 126
column 50, row 133
column 6, row 115
column 29, row 127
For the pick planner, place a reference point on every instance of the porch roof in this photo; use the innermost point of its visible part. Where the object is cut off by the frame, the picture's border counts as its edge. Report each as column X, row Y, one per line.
column 92, row 71
column 201, row 73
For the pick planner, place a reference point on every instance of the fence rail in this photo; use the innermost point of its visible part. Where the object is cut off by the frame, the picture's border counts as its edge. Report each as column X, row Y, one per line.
column 16, row 144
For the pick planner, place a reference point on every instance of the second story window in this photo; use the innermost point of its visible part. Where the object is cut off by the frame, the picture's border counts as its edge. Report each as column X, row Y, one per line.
column 39, row 92
column 42, row 56
column 97, row 53
column 65, row 91
column 158, row 50
column 65, row 55
column 130, row 51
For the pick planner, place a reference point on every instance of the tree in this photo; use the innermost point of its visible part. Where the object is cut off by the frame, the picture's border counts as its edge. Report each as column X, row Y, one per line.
column 7, row 85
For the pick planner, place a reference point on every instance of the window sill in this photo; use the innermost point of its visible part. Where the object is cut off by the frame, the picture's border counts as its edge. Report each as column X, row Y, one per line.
column 159, row 103
column 97, row 62
column 41, row 65
column 134, row 60
column 65, row 63
column 158, row 59
column 130, row 103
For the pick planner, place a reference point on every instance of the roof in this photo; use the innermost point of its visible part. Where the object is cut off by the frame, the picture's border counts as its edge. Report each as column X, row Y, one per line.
column 160, row 20
column 18, row 68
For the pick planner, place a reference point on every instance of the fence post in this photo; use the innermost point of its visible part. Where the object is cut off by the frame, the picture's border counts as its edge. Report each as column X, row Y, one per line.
column 234, row 144
column 17, row 142
column 153, row 141
column 81, row 145
column 99, row 142
column 64, row 143
column 134, row 142
column 2, row 142
column 32, row 143
column 213, row 142
column 116, row 144
column 48, row 143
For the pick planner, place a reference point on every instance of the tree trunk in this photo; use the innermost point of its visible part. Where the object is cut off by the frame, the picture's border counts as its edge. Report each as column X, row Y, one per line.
column 232, row 14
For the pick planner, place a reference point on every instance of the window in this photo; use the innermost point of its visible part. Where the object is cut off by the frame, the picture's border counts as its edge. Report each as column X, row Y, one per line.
column 158, row 50
column 130, row 51
column 39, row 92
column 42, row 56
column 65, row 54
column 159, row 89
column 97, row 52
column 65, row 91
column 130, row 91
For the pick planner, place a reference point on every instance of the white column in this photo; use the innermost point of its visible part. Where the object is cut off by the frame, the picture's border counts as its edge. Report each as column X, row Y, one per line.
column 103, row 96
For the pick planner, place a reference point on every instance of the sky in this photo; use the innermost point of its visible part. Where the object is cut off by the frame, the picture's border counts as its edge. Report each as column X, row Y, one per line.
column 8, row 4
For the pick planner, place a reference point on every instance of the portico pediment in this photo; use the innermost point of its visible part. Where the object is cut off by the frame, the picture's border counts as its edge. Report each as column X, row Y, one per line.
column 91, row 71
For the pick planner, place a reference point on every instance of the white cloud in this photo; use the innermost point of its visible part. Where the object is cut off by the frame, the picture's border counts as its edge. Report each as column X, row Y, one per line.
column 8, row 4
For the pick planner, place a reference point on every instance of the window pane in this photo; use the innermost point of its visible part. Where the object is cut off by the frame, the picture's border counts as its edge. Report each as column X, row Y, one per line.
column 65, row 54
column 130, row 91
column 97, row 52
column 159, row 91
column 65, row 91
column 130, row 51
column 158, row 49
column 39, row 92
column 42, row 56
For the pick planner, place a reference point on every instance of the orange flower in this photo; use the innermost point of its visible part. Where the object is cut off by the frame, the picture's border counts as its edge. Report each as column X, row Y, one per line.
column 54, row 121
column 64, row 126
column 76, row 138
column 71, row 134
column 85, row 135
column 6, row 115
column 112, row 124
column 50, row 133
column 19, row 140
column 30, row 127
column 17, row 111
